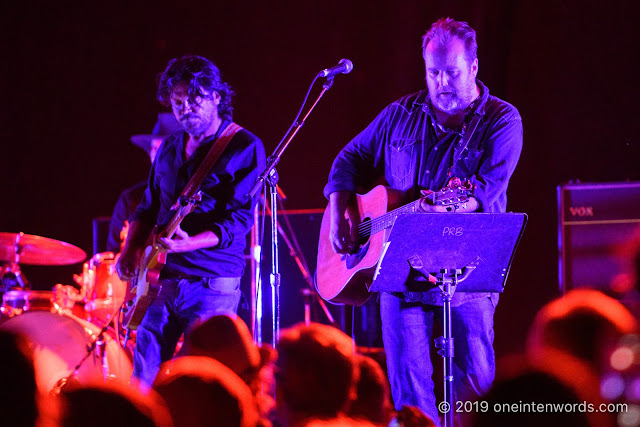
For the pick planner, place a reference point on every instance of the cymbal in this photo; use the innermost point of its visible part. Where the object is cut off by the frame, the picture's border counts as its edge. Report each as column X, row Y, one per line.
column 37, row 250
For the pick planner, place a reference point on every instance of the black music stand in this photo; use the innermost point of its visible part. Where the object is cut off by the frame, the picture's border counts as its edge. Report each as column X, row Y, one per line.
column 469, row 252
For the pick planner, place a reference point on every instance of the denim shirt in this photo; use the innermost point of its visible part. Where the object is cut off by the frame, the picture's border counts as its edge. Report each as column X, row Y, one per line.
column 224, row 208
column 406, row 149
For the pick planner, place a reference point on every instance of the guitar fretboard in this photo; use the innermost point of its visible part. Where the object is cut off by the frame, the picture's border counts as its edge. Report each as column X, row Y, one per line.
column 376, row 225
column 174, row 223
column 443, row 197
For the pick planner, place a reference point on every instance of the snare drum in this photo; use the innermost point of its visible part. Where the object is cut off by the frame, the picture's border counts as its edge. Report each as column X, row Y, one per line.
column 16, row 302
column 60, row 341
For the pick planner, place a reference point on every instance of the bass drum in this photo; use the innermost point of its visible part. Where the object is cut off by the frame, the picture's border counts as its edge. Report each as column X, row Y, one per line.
column 60, row 341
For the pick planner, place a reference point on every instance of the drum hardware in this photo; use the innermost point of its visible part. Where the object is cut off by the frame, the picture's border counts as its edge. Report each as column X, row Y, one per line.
column 16, row 302
column 61, row 299
column 102, row 291
column 12, row 278
column 100, row 287
column 65, row 297
column 84, row 280
column 101, row 352
column 98, row 345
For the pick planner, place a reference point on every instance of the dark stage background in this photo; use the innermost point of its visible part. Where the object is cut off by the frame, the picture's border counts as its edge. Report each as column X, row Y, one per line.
column 79, row 80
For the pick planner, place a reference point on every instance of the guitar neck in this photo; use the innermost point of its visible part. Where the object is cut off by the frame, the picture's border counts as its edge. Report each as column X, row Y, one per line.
column 385, row 221
column 173, row 225
column 170, row 229
column 182, row 212
column 444, row 197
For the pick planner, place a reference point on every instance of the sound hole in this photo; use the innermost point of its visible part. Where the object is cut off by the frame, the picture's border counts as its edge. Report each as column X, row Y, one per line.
column 364, row 232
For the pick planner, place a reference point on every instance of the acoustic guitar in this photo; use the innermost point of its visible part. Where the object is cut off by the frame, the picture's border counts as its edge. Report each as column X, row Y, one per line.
column 346, row 278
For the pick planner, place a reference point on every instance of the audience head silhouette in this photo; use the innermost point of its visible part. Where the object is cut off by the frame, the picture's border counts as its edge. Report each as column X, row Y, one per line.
column 315, row 373
column 202, row 391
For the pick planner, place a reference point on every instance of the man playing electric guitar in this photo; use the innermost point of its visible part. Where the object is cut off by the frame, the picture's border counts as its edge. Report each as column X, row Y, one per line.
column 454, row 128
column 205, row 249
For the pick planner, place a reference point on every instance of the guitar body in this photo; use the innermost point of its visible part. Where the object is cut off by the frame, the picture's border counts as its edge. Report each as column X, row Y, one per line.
column 144, row 289
column 146, row 285
column 346, row 278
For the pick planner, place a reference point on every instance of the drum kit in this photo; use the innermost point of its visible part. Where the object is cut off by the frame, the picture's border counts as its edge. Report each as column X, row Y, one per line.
column 73, row 330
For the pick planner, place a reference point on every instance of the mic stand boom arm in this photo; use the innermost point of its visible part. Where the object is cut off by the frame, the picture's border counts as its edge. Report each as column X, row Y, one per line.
column 274, row 158
column 270, row 176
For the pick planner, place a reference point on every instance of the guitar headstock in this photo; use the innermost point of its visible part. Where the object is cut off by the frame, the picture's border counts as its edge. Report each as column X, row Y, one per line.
column 457, row 191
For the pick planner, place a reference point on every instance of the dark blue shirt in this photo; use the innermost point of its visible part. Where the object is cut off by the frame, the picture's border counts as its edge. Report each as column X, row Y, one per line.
column 224, row 209
column 406, row 148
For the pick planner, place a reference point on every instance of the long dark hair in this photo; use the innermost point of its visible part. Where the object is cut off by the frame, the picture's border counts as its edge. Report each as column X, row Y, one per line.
column 198, row 73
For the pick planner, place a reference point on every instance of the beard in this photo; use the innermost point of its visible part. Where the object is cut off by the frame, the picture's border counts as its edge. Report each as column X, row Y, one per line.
column 194, row 124
column 451, row 100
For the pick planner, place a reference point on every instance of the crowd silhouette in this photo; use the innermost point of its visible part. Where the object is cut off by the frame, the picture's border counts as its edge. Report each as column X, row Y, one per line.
column 580, row 362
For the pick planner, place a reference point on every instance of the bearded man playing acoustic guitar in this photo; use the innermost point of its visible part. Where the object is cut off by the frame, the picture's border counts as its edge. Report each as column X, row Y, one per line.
column 417, row 144
column 205, row 245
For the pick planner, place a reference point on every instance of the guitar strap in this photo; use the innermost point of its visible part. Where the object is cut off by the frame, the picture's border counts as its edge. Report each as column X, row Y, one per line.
column 464, row 143
column 216, row 150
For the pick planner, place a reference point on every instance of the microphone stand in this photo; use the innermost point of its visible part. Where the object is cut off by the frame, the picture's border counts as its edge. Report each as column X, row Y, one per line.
column 296, row 253
column 270, row 176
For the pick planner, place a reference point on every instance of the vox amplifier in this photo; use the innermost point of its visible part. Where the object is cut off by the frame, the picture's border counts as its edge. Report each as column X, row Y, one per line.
column 598, row 231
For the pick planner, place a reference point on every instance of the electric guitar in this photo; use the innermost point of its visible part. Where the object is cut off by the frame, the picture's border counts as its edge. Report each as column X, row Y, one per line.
column 346, row 278
column 145, row 285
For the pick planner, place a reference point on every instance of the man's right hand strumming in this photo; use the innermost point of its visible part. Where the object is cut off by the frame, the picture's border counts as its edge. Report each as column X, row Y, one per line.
column 341, row 232
column 127, row 263
column 130, row 256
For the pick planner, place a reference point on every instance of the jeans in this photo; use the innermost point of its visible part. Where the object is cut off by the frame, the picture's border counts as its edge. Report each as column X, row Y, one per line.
column 179, row 304
column 407, row 332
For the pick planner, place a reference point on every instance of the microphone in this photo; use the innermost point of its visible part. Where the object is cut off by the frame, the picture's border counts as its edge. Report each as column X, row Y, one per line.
column 345, row 66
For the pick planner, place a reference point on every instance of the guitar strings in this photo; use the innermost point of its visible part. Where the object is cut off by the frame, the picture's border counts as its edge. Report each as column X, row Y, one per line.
column 367, row 228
